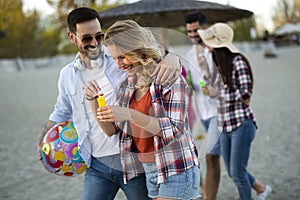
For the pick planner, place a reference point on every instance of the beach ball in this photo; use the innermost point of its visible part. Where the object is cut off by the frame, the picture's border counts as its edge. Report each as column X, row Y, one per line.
column 59, row 150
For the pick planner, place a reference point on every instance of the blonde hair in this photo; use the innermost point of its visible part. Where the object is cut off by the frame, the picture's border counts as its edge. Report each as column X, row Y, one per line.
column 137, row 44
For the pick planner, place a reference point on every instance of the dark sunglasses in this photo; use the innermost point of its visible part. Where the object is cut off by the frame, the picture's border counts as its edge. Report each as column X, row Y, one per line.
column 88, row 38
column 192, row 31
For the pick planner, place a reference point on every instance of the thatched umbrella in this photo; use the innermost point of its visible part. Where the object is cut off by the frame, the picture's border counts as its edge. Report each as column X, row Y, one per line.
column 170, row 13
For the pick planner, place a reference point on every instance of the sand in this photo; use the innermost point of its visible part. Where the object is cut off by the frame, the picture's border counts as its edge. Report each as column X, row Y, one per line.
column 27, row 98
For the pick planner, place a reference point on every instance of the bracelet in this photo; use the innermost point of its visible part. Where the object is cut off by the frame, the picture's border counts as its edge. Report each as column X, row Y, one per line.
column 91, row 98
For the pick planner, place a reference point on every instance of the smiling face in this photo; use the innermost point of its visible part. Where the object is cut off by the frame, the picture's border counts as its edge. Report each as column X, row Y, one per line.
column 122, row 61
column 88, row 39
column 134, row 49
column 191, row 29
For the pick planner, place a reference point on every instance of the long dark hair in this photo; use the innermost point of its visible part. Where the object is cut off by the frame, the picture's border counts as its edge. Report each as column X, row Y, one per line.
column 223, row 58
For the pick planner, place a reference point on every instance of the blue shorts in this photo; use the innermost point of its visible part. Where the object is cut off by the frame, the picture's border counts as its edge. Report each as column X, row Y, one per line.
column 180, row 186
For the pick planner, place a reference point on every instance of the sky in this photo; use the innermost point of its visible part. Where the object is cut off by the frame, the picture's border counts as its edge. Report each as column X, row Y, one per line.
column 263, row 11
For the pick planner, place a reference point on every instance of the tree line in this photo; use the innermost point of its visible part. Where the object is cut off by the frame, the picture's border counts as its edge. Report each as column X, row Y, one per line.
column 28, row 35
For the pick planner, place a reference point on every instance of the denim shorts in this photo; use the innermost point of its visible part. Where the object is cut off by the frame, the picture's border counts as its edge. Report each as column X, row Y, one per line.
column 180, row 186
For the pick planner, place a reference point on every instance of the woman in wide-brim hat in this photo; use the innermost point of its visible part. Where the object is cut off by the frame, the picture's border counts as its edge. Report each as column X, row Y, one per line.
column 239, row 124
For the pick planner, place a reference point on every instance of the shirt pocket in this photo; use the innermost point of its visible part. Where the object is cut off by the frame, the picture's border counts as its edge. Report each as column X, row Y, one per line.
column 75, row 98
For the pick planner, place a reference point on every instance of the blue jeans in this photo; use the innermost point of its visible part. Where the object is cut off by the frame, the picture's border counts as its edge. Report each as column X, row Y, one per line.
column 104, row 178
column 235, row 148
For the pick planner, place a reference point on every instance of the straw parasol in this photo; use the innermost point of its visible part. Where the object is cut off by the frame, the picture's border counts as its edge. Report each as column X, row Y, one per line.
column 170, row 13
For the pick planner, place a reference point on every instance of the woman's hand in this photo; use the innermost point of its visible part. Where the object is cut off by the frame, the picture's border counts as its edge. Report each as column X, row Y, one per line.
column 113, row 114
column 91, row 89
column 246, row 102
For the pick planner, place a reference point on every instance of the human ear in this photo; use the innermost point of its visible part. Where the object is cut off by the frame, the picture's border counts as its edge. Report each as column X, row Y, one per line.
column 71, row 37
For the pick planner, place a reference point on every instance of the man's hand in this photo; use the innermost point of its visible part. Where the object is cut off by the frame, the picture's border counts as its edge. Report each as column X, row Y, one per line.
column 208, row 90
column 39, row 142
column 91, row 89
column 168, row 70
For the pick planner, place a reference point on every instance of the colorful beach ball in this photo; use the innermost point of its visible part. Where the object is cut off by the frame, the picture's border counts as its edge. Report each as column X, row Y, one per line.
column 59, row 150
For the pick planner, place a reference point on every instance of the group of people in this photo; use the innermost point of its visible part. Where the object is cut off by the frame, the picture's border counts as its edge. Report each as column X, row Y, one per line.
column 141, row 141
column 223, row 105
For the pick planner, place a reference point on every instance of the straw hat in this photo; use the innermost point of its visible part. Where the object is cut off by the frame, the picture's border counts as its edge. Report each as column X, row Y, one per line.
column 217, row 36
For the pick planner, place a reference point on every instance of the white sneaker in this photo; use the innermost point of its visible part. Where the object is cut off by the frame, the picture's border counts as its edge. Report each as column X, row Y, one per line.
column 264, row 194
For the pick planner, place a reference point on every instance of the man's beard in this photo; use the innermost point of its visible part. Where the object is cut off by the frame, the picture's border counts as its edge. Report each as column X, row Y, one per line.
column 91, row 52
column 196, row 40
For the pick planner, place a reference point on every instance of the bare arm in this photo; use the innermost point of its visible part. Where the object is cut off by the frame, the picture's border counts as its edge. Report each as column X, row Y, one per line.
column 117, row 114
column 109, row 128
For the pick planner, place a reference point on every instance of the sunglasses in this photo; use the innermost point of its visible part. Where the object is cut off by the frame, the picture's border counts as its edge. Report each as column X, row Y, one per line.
column 192, row 31
column 86, row 39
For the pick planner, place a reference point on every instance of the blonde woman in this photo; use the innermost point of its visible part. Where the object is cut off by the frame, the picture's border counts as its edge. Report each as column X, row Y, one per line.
column 151, row 118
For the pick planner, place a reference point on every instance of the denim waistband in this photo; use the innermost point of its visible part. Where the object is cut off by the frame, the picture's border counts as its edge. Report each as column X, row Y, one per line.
column 113, row 161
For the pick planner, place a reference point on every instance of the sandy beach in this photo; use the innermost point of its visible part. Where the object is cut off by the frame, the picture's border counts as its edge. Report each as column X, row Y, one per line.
column 28, row 97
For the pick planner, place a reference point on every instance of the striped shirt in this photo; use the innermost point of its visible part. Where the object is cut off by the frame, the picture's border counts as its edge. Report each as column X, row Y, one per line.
column 175, row 151
column 232, row 111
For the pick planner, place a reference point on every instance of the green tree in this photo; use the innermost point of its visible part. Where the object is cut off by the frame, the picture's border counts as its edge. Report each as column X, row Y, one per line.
column 63, row 7
column 24, row 35
column 242, row 28
column 287, row 11
column 49, row 40
column 19, row 29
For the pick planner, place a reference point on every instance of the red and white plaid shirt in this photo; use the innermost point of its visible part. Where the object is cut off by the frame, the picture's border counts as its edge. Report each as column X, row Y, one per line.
column 175, row 151
column 232, row 111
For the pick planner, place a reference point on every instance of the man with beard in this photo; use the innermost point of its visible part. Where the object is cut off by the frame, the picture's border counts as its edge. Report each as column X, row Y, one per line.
column 202, row 69
column 104, row 176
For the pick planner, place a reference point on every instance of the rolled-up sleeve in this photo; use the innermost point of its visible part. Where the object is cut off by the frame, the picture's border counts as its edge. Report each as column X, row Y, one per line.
column 172, row 120
column 244, row 82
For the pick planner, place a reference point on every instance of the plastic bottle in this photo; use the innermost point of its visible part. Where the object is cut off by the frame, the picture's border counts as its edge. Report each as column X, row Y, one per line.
column 202, row 84
column 101, row 100
column 190, row 80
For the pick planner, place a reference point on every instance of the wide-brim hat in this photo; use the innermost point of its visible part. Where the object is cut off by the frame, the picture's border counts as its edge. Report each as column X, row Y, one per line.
column 217, row 36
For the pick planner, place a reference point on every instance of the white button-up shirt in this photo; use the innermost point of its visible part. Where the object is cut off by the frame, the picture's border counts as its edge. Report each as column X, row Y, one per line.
column 72, row 105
